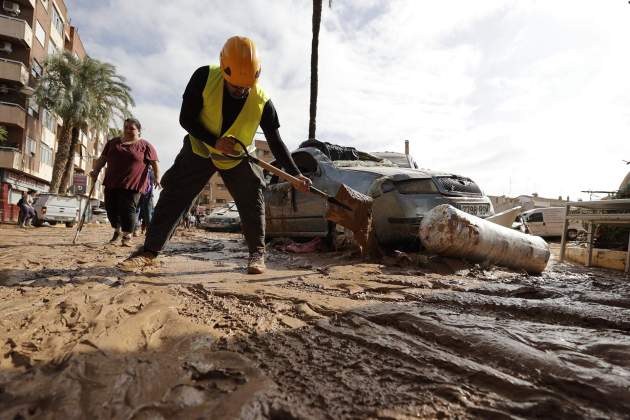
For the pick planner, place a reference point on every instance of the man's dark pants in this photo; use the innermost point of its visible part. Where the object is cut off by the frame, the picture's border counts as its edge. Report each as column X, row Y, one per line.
column 185, row 180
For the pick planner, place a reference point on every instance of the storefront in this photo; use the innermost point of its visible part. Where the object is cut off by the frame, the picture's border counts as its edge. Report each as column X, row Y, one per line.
column 12, row 185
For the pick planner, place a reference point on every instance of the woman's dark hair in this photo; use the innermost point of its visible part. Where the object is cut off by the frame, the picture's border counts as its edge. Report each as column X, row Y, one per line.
column 133, row 121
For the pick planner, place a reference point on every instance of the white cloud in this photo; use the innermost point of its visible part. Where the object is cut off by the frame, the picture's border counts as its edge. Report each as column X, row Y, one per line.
column 521, row 96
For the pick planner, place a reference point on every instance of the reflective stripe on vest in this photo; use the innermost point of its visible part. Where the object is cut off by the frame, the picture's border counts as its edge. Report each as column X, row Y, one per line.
column 211, row 116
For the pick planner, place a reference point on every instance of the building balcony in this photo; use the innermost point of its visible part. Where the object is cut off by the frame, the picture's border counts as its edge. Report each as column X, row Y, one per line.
column 30, row 3
column 14, row 71
column 12, row 114
column 14, row 159
column 10, row 158
column 16, row 29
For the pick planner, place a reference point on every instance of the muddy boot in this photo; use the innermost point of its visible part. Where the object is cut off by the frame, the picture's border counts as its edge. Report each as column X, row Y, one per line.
column 115, row 237
column 138, row 260
column 256, row 264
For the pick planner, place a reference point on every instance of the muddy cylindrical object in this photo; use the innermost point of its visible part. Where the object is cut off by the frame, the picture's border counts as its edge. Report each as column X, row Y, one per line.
column 448, row 231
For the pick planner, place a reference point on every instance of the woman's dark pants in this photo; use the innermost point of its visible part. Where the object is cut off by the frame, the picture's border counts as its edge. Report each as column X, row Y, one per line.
column 121, row 208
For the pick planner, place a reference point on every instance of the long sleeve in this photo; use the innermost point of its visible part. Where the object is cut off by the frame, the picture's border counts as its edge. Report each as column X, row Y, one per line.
column 280, row 151
column 191, row 107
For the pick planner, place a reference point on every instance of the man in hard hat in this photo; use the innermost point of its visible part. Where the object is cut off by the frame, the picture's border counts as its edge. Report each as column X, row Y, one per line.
column 220, row 104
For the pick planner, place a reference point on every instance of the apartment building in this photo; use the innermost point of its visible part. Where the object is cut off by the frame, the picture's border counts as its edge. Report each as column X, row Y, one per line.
column 527, row 202
column 215, row 192
column 30, row 30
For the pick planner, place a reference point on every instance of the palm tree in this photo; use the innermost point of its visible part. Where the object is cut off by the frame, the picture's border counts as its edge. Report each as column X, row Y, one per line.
column 317, row 20
column 83, row 92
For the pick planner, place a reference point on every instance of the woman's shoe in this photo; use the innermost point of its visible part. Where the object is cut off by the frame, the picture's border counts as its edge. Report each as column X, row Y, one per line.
column 115, row 237
column 126, row 240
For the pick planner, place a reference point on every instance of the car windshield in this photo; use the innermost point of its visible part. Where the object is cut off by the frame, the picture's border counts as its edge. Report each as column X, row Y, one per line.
column 362, row 163
column 398, row 159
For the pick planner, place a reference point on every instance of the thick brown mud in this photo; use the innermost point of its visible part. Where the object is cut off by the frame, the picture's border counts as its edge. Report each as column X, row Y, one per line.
column 319, row 336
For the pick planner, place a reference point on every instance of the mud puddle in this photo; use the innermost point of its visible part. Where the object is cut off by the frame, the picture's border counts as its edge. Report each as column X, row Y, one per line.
column 317, row 336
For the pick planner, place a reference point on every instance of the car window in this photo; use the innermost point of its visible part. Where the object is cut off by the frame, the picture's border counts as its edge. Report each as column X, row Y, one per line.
column 305, row 163
column 535, row 217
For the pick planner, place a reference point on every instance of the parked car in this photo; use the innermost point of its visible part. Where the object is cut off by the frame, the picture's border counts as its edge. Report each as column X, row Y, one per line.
column 56, row 208
column 225, row 218
column 99, row 215
column 549, row 222
column 401, row 197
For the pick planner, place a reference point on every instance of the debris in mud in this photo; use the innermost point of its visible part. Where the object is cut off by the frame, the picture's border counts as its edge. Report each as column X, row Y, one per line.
column 201, row 371
column 448, row 231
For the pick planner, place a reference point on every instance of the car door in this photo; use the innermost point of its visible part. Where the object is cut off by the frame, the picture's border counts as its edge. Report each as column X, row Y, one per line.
column 536, row 224
column 294, row 213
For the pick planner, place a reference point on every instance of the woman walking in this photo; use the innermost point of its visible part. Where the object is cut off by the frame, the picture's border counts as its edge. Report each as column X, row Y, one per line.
column 128, row 159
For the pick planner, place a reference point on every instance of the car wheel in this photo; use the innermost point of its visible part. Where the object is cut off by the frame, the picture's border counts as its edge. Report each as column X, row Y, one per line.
column 52, row 223
column 572, row 234
column 69, row 224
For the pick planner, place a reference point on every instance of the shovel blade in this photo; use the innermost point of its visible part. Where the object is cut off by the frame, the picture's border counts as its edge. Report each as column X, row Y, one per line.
column 358, row 219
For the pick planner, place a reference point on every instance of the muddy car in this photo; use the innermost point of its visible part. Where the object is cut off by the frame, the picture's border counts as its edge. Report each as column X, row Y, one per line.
column 224, row 218
column 401, row 197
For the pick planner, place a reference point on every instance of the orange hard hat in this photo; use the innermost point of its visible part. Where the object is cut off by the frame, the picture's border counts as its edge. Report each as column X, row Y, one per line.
column 239, row 62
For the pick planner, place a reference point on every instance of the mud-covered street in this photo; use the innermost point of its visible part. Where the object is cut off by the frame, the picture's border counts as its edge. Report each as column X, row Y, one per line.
column 322, row 336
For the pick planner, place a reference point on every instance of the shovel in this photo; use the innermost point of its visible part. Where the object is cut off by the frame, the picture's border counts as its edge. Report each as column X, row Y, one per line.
column 82, row 220
column 348, row 207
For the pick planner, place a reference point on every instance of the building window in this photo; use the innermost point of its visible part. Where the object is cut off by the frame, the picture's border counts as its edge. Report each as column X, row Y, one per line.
column 46, row 155
column 33, row 108
column 40, row 34
column 31, row 145
column 36, row 69
column 220, row 201
column 221, row 187
column 52, row 48
column 49, row 120
column 57, row 22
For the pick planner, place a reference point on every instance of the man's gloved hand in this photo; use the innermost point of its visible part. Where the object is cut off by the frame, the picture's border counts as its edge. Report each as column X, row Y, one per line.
column 226, row 145
column 303, row 185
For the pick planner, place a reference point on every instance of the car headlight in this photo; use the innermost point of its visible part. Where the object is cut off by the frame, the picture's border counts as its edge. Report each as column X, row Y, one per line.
column 416, row 186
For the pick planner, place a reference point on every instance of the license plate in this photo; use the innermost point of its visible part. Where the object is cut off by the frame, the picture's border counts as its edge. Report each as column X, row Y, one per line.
column 474, row 209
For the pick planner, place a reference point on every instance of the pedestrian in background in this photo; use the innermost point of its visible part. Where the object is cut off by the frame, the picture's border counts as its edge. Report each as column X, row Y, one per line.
column 26, row 208
column 128, row 159
column 145, row 206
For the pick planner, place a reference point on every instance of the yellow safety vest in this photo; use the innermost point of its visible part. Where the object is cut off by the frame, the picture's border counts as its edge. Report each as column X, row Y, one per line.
column 211, row 116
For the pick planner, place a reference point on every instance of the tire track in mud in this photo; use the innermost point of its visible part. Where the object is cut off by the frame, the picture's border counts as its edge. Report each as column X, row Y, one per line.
column 430, row 363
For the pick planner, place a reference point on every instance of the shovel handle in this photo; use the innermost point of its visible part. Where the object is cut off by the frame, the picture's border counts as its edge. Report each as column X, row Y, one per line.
column 287, row 177
column 282, row 174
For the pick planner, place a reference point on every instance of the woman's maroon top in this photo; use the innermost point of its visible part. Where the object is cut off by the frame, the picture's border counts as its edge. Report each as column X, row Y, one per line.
column 128, row 164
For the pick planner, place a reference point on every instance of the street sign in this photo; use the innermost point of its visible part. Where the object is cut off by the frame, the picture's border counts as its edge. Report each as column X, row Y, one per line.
column 79, row 183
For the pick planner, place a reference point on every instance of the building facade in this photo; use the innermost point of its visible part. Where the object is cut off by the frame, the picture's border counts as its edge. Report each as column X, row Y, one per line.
column 215, row 193
column 527, row 202
column 30, row 30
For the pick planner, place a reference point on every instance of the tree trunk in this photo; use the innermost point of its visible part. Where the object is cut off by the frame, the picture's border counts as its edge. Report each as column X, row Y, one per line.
column 66, row 179
column 317, row 19
column 61, row 157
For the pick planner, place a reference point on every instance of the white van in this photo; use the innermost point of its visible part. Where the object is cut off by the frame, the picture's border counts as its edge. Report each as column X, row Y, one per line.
column 549, row 221
column 55, row 208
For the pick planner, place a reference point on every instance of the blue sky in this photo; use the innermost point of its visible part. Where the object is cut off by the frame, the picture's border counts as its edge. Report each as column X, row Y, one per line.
column 521, row 96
